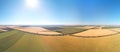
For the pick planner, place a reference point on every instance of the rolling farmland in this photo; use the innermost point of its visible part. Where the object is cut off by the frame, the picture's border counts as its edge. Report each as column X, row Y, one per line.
column 20, row 41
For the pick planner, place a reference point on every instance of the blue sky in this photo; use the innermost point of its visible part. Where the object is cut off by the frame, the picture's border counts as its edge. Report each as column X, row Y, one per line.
column 59, row 12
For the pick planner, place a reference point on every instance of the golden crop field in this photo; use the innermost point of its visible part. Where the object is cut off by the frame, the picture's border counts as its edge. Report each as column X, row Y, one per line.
column 96, row 32
column 20, row 41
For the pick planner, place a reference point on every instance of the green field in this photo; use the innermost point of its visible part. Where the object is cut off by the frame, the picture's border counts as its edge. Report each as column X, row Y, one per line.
column 1, row 31
column 66, row 30
column 70, row 30
column 17, row 41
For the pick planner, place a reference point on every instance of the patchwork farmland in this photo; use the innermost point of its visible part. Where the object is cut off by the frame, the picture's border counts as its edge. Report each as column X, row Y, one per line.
column 65, row 39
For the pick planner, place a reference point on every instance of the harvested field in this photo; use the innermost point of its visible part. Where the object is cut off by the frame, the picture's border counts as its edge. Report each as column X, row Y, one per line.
column 96, row 32
column 116, row 29
column 76, row 44
column 37, row 30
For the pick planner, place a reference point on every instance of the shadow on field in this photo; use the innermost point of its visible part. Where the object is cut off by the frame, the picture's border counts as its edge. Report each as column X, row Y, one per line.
column 7, row 42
